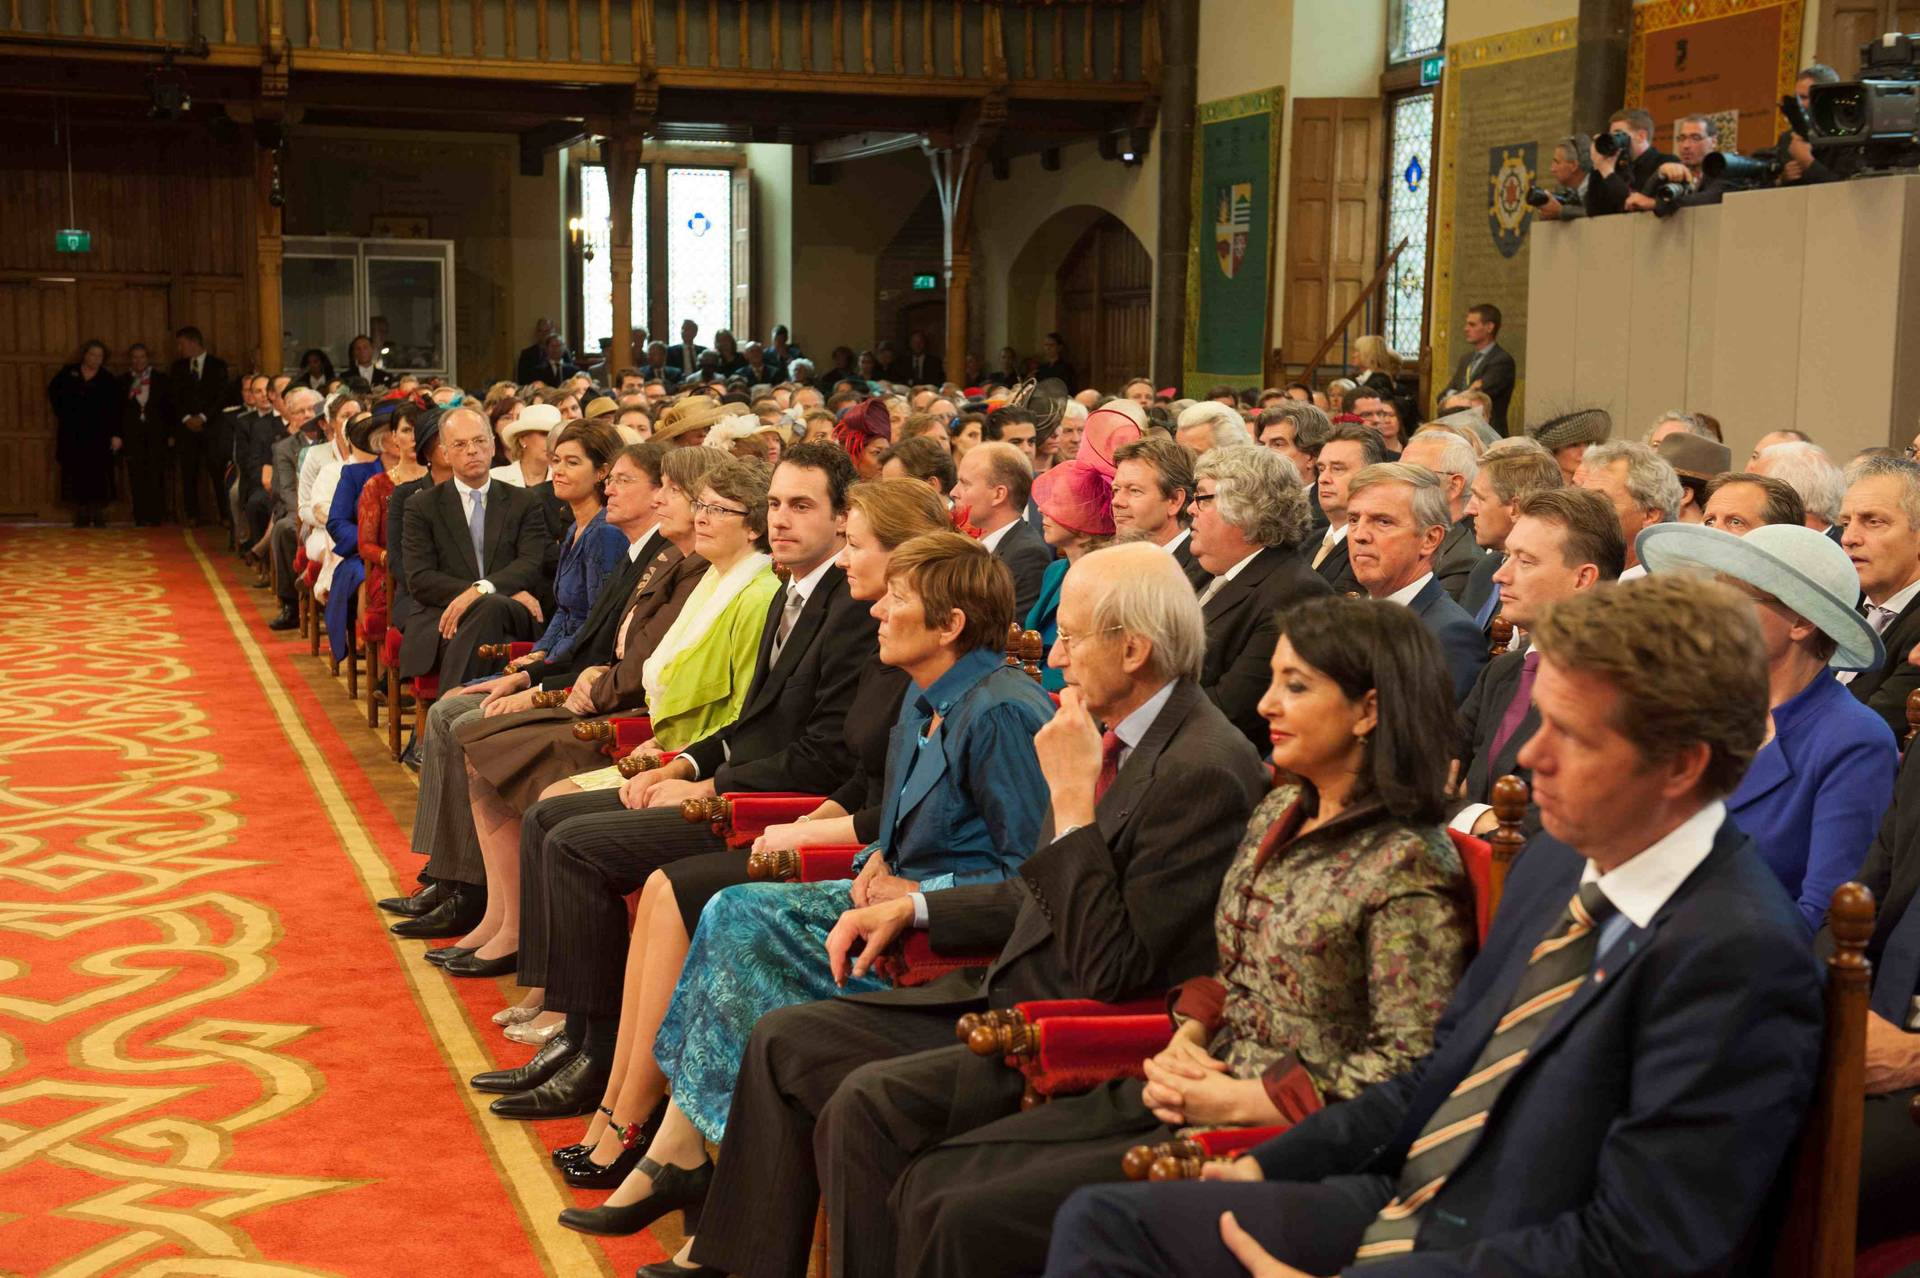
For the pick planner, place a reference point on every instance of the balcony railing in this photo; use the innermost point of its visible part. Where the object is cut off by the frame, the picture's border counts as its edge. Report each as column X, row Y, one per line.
column 1030, row 45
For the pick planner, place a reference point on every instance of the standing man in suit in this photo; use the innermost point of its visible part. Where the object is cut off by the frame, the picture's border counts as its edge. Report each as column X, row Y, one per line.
column 686, row 356
column 256, row 430
column 924, row 368
column 1451, row 458
column 1508, row 471
column 1398, row 517
column 527, row 367
column 995, row 480
column 363, row 362
column 1152, row 484
column 553, row 368
column 1249, row 516
column 1597, row 1086
column 1487, row 366
column 582, row 853
column 473, row 552
column 302, row 428
column 1563, row 542
column 197, row 385
column 1880, row 522
column 147, row 418
column 853, row 1088
column 1350, row 449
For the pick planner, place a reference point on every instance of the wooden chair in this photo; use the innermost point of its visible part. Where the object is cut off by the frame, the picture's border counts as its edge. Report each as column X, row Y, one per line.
column 1500, row 630
column 371, row 646
column 1913, row 719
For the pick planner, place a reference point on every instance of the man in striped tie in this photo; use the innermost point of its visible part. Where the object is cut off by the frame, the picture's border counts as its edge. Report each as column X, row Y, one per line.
column 1617, row 1080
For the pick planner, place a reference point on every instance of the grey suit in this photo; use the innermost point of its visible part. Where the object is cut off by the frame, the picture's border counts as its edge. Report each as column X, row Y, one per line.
column 285, row 537
column 858, row 1086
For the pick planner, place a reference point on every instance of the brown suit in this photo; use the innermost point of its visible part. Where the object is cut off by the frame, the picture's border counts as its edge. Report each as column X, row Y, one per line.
column 523, row 753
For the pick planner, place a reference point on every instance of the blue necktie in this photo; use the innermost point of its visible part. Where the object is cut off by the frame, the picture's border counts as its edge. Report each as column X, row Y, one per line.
column 1898, row 979
column 477, row 525
column 1485, row 615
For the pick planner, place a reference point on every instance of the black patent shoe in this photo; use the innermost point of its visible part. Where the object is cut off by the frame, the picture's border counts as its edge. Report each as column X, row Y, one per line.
column 674, row 1189
column 457, row 914
column 446, row 954
column 471, row 964
column 584, row 1173
column 428, row 896
column 545, row 1064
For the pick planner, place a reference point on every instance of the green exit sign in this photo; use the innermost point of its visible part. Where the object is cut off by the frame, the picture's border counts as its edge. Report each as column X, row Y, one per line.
column 1431, row 67
column 921, row 283
column 72, row 240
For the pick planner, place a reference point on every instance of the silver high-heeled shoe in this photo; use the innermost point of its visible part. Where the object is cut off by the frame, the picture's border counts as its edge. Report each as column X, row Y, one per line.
column 515, row 1015
column 534, row 1035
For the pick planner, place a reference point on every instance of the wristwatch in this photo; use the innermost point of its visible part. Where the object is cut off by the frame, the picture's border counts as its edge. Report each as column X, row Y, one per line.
column 484, row 586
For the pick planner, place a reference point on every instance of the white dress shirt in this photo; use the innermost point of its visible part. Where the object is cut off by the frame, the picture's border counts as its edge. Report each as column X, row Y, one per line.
column 991, row 541
column 1640, row 886
column 1405, row 594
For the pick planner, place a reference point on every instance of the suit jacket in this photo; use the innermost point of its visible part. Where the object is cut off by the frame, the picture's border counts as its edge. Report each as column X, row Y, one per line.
column 791, row 730
column 1886, row 688
column 932, row 371
column 1458, row 556
column 1480, row 585
column 1460, row 640
column 1645, row 1126
column 285, row 459
column 1120, row 908
column 593, row 642
column 1196, row 572
column 1609, row 194
column 527, row 367
column 685, row 356
column 1243, row 623
column 1028, row 555
column 1479, row 719
column 1497, row 373
column 158, row 413
column 655, row 605
column 1892, row 868
column 1336, row 569
column 202, row 396
column 439, row 549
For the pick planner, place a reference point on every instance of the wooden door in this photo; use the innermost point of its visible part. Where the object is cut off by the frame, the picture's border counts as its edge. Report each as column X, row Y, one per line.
column 1845, row 25
column 742, row 218
column 1333, row 216
column 1104, row 294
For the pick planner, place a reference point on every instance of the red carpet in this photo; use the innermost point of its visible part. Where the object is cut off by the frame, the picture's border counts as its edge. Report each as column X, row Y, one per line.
column 213, row 1057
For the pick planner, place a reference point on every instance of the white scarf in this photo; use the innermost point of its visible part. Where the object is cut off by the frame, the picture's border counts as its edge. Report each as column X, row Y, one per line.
column 709, row 599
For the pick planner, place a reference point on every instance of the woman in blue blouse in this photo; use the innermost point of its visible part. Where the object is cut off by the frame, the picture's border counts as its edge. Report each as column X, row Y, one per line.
column 964, row 804
column 1814, row 795
column 579, row 464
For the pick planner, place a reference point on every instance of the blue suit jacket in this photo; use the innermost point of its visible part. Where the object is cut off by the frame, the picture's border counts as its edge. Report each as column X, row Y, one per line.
column 1644, row 1128
column 1464, row 646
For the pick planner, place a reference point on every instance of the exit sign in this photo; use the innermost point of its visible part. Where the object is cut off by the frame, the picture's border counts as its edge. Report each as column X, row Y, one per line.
column 923, row 282
column 72, row 240
column 1431, row 67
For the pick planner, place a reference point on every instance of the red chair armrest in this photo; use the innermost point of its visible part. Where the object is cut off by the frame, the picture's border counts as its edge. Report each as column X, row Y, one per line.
column 828, row 861
column 426, row 687
column 515, row 651
column 1040, row 1009
column 914, row 962
column 1079, row 1052
column 1231, row 1142
column 1477, row 856
column 753, row 813
column 390, row 647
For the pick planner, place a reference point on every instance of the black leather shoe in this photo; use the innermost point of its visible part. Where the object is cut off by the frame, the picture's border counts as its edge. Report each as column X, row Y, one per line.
column 575, row 1089
column 458, row 915
column 546, row 1062
column 674, row 1189
column 584, row 1173
column 287, row 619
column 471, row 964
column 429, row 895
column 446, row 954
column 667, row 1269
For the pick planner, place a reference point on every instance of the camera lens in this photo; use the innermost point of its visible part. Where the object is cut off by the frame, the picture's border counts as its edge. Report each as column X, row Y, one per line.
column 1841, row 112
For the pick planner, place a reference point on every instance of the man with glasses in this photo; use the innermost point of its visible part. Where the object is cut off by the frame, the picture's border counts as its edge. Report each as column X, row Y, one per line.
column 1695, row 137
column 473, row 547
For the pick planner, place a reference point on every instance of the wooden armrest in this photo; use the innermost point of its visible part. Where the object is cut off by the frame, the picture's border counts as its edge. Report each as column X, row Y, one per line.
column 550, row 698
column 821, row 863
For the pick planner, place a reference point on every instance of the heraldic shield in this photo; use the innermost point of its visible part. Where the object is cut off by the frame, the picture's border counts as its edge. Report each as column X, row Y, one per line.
column 1510, row 173
column 1233, row 216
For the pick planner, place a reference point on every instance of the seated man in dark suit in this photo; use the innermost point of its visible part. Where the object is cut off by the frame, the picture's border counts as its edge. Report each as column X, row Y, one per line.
column 1152, row 489
column 1563, row 541
column 995, row 481
column 1249, row 515
column 473, row 553
column 1397, row 517
column 1450, row 456
column 1113, row 906
column 1350, row 449
column 582, row 853
column 1880, row 521
column 1508, row 471
column 1890, row 1141
column 1600, row 1097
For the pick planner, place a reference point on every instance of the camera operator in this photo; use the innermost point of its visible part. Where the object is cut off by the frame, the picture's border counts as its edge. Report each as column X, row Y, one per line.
column 1795, row 152
column 1618, row 174
column 1698, row 137
column 1572, row 168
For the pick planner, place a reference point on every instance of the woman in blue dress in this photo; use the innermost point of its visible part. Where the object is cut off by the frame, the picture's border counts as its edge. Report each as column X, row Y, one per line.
column 579, row 464
column 965, row 801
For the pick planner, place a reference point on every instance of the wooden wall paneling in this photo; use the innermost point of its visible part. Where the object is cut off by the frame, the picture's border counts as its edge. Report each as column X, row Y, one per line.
column 1104, row 303
column 1359, row 175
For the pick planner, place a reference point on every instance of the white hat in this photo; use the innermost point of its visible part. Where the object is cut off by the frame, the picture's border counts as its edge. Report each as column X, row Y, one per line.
column 532, row 417
column 1801, row 568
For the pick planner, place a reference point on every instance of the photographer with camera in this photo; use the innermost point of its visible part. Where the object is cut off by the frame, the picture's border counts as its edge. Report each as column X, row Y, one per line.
column 1684, row 181
column 1624, row 161
column 1798, row 165
column 1572, row 168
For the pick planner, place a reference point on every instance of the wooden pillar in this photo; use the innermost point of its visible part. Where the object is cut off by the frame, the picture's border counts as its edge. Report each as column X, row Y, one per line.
column 268, row 252
column 1179, row 42
column 1600, row 63
column 956, row 176
column 621, row 155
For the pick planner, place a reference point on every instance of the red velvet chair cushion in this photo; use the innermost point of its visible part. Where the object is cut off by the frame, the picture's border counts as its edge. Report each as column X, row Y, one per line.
column 827, row 862
column 1079, row 1052
column 631, row 731
column 515, row 651
column 426, row 687
column 390, row 647
column 1888, row 1259
column 1230, row 1142
column 1477, row 856
column 753, row 813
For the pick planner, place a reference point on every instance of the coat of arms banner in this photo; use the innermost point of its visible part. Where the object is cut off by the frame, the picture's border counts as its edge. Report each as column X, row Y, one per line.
column 1236, row 167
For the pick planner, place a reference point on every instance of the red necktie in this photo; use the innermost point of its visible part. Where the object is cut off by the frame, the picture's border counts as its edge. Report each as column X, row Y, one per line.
column 1110, row 747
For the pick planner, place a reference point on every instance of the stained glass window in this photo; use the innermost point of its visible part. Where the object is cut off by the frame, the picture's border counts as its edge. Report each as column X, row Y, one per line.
column 699, row 250
column 1418, row 27
column 596, row 265
column 1411, row 196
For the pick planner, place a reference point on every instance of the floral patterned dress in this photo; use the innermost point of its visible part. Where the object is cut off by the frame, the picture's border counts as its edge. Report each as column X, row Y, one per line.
column 373, row 552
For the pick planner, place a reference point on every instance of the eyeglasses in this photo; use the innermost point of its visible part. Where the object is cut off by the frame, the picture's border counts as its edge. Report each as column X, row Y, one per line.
column 1203, row 499
column 1912, row 452
column 468, row 445
column 618, row 480
column 1067, row 640
column 708, row 508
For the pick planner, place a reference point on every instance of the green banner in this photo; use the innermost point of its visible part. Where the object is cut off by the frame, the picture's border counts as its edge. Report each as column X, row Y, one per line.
column 1229, row 284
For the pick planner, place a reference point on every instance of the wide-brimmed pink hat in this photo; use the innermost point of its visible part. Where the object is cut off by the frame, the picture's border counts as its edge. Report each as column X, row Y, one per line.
column 1109, row 429
column 1077, row 496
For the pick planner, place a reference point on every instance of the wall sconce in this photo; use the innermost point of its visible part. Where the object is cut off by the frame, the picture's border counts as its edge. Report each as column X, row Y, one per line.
column 581, row 240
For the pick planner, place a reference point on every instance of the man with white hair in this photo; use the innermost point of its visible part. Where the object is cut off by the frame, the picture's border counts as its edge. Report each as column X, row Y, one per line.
column 1805, row 467
column 1449, row 456
column 1073, row 424
column 301, row 408
column 1643, row 487
column 1397, row 516
column 853, row 1095
column 1209, row 425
